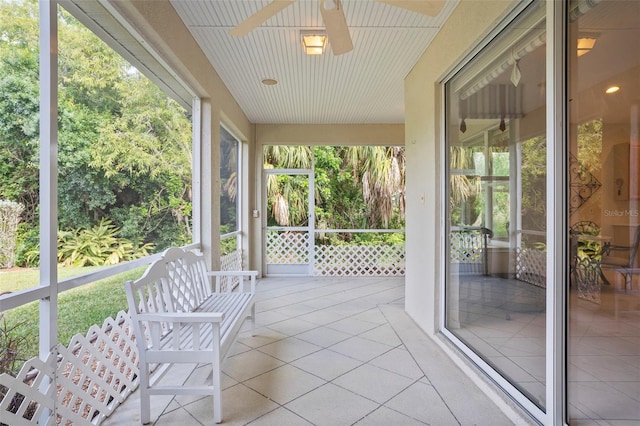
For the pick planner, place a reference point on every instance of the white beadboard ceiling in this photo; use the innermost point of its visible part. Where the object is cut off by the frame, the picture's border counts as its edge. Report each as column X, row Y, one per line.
column 365, row 85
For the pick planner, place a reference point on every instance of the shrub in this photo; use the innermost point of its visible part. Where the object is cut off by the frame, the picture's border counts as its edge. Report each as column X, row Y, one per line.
column 97, row 246
column 27, row 254
column 9, row 219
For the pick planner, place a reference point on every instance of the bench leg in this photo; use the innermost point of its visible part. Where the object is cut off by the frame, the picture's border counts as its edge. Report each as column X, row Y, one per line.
column 145, row 397
column 217, row 394
column 253, row 320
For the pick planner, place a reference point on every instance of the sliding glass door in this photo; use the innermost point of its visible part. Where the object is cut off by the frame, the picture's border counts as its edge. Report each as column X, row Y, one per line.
column 496, row 215
column 542, row 282
column 604, row 206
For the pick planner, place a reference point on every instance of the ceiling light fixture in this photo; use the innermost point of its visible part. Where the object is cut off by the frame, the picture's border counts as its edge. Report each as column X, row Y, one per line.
column 612, row 89
column 585, row 44
column 314, row 42
column 269, row 82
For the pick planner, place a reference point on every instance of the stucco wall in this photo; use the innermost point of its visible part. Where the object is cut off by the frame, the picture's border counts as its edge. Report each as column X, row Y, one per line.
column 468, row 24
column 330, row 134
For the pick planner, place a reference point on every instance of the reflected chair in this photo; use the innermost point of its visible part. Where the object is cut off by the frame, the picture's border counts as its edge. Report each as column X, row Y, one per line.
column 621, row 259
column 578, row 229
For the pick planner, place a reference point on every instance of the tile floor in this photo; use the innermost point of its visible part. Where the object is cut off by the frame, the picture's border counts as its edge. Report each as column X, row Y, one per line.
column 331, row 351
column 504, row 320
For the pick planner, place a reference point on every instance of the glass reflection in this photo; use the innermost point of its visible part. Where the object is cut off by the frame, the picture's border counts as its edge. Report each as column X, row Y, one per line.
column 496, row 280
column 604, row 206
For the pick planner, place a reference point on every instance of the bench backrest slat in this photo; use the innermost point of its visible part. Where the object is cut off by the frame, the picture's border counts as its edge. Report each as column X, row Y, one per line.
column 188, row 281
column 149, row 294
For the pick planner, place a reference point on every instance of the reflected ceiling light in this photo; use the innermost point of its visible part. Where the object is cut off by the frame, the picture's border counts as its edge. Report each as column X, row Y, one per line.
column 314, row 42
column 612, row 89
column 585, row 44
column 269, row 82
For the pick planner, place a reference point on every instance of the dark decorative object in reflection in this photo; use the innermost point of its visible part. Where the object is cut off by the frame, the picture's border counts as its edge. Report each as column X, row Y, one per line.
column 587, row 274
column 582, row 184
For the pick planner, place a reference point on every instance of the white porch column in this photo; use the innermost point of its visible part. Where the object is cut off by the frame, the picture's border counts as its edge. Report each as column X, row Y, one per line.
column 48, row 174
column 208, row 230
column 48, row 318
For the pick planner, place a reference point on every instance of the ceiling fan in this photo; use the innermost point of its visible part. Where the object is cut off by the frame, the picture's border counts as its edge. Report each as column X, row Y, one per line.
column 333, row 18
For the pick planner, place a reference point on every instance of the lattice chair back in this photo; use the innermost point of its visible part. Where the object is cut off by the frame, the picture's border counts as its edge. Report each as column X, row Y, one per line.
column 585, row 227
column 622, row 259
column 149, row 294
column 188, row 281
column 587, row 276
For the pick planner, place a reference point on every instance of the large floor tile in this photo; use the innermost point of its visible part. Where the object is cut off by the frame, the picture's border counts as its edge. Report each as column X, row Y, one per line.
column 292, row 326
column 331, row 405
column 385, row 416
column 249, row 364
column 421, row 401
column 327, row 364
column 240, row 405
column 284, row 384
column 361, row 349
column 323, row 336
column 398, row 361
column 373, row 383
column 289, row 349
column 280, row 417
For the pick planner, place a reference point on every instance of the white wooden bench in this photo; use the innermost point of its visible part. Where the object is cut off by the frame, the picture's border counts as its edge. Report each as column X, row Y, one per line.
column 180, row 317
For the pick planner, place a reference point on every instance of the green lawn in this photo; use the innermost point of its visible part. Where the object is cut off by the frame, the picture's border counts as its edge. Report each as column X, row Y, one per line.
column 78, row 309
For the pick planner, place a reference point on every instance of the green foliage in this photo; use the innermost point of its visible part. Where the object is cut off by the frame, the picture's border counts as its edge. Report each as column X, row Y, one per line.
column 355, row 187
column 590, row 146
column 534, row 184
column 99, row 245
column 229, row 244
column 124, row 148
column 229, row 170
column 27, row 254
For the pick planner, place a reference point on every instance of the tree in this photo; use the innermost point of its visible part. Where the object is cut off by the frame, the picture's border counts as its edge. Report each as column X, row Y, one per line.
column 145, row 152
column 381, row 171
column 19, row 107
column 356, row 187
column 124, row 147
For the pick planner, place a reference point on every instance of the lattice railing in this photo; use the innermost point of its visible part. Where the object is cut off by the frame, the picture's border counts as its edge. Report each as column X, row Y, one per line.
column 531, row 266
column 287, row 248
column 359, row 260
column 232, row 261
column 81, row 384
column 90, row 379
column 468, row 249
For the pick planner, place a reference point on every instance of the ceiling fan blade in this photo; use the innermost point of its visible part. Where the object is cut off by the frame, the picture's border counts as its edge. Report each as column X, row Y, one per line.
column 425, row 7
column 259, row 17
column 337, row 29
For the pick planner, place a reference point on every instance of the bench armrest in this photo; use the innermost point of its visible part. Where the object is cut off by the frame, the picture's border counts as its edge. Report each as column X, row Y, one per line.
column 182, row 317
column 191, row 324
column 241, row 275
